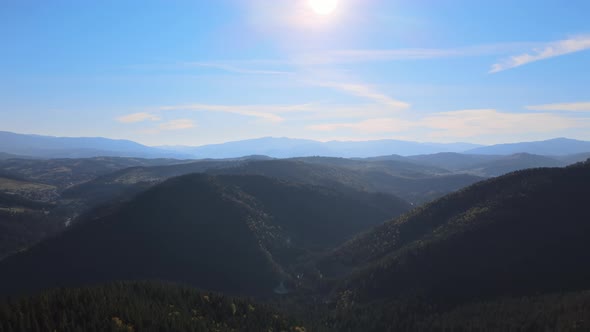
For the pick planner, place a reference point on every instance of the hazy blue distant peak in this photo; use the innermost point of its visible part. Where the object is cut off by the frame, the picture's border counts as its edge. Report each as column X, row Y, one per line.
column 274, row 147
column 76, row 147
column 552, row 147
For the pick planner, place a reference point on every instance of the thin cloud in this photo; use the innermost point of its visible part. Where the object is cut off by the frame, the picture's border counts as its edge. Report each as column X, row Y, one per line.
column 138, row 117
column 264, row 112
column 178, row 124
column 365, row 91
column 373, row 55
column 381, row 125
column 567, row 107
column 550, row 50
column 473, row 123
column 462, row 124
column 236, row 69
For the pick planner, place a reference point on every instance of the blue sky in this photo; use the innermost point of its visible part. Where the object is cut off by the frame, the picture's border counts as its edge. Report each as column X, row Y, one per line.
column 198, row 72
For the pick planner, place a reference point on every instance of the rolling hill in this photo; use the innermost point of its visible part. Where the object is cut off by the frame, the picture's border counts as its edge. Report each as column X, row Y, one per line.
column 517, row 235
column 516, row 162
column 67, row 172
column 289, row 148
column 140, row 306
column 233, row 234
column 414, row 183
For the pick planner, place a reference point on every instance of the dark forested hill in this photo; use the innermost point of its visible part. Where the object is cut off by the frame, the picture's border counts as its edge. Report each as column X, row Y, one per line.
column 32, row 200
column 317, row 217
column 506, row 164
column 65, row 173
column 414, row 183
column 493, row 165
column 235, row 234
column 520, row 234
column 140, row 306
column 24, row 221
column 188, row 229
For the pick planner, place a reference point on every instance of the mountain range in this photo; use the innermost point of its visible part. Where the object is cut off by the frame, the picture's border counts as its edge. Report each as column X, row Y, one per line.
column 333, row 241
column 20, row 145
column 238, row 234
column 76, row 147
column 506, row 250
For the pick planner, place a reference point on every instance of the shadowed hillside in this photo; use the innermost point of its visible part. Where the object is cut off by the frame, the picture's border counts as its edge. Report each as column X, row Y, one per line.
column 140, row 306
column 236, row 234
column 519, row 234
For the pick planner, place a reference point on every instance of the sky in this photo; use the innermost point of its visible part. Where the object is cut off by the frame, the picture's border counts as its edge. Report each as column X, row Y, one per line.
column 197, row 72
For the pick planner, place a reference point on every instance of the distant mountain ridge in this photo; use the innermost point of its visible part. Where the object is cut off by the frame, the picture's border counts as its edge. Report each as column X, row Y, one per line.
column 77, row 147
column 524, row 232
column 14, row 145
column 552, row 147
column 289, row 148
column 237, row 234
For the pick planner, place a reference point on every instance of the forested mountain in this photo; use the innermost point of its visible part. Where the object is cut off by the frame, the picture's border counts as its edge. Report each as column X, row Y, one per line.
column 507, row 253
column 140, row 306
column 24, row 221
column 493, row 165
column 34, row 199
column 238, row 234
column 452, row 161
column 65, row 173
column 574, row 158
column 74, row 186
column 511, row 163
column 517, row 235
column 399, row 167
column 189, row 229
column 414, row 183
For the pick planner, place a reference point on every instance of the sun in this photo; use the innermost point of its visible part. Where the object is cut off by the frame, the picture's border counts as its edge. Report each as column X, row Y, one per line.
column 323, row 7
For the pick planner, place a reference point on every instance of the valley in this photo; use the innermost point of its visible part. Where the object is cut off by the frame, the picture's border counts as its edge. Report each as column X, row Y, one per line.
column 338, row 243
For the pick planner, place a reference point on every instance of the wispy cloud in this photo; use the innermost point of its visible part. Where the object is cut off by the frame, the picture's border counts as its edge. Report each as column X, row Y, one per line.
column 138, row 117
column 178, row 124
column 478, row 122
column 236, row 69
column 568, row 107
column 381, row 125
column 461, row 124
column 268, row 113
column 365, row 91
column 550, row 50
column 371, row 55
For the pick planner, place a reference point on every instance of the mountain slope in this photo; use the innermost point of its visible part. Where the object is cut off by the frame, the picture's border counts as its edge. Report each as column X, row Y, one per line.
column 380, row 176
column 139, row 306
column 317, row 217
column 453, row 161
column 553, row 147
column 68, row 172
column 238, row 234
column 506, row 164
column 187, row 229
column 523, row 233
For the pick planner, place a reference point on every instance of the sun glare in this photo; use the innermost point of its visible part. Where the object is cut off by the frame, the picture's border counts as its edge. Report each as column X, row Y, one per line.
column 323, row 7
